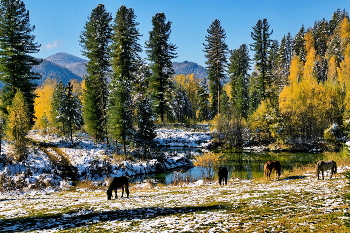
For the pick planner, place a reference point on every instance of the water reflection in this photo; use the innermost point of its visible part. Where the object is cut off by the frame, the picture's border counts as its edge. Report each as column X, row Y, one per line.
column 240, row 165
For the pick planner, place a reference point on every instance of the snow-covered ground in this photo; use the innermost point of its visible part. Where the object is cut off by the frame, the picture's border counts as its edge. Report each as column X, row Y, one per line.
column 299, row 204
column 93, row 161
column 181, row 138
column 288, row 205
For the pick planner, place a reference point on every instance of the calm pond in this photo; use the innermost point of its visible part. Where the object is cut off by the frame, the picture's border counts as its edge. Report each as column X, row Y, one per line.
column 245, row 166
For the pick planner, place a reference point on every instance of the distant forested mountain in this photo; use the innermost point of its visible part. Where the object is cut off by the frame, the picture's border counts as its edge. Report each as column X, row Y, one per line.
column 64, row 66
column 72, row 63
column 48, row 69
column 187, row 67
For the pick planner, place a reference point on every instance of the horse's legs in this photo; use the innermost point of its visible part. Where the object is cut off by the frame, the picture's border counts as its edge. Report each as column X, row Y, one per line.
column 331, row 174
column 322, row 175
column 225, row 180
column 220, row 178
column 127, row 190
column 116, row 195
column 277, row 176
column 122, row 191
column 269, row 174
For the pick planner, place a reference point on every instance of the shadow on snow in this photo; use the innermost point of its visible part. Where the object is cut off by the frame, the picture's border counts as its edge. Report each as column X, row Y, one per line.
column 75, row 219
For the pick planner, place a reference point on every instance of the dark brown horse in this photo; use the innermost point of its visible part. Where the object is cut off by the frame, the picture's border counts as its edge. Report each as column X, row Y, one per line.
column 223, row 174
column 117, row 183
column 326, row 165
column 272, row 165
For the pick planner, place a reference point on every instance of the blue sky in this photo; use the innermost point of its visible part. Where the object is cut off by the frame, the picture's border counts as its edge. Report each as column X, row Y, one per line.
column 58, row 24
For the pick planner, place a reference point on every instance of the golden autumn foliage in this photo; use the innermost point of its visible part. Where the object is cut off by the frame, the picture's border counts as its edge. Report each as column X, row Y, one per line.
column 42, row 105
column 344, row 33
column 18, row 126
column 309, row 106
column 209, row 161
column 296, row 70
column 77, row 87
column 190, row 83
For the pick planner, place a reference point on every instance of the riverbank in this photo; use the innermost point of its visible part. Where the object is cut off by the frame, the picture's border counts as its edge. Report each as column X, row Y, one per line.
column 53, row 162
column 292, row 204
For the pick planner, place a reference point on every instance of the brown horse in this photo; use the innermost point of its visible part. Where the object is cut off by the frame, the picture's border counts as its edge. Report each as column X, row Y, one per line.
column 223, row 174
column 272, row 165
column 326, row 165
column 118, row 182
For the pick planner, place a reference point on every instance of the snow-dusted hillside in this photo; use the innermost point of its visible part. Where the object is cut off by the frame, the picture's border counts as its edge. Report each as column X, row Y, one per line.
column 53, row 162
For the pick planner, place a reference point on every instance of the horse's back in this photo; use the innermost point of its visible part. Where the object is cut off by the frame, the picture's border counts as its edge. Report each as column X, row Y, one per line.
column 272, row 165
column 223, row 171
column 119, row 182
column 326, row 165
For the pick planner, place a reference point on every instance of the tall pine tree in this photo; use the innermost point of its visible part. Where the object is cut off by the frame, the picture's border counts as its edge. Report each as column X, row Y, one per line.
column 125, row 51
column 16, row 45
column 145, row 132
column 160, row 52
column 299, row 43
column 203, row 108
column 215, row 51
column 95, row 40
column 238, row 71
column 261, row 35
column 67, row 107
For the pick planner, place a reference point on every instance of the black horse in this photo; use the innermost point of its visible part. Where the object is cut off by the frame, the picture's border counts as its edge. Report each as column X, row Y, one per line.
column 118, row 182
column 223, row 174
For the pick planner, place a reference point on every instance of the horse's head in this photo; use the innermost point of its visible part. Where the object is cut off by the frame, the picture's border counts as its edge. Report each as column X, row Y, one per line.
column 109, row 194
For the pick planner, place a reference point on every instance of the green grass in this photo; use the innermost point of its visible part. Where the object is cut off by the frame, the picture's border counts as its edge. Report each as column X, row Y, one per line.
column 238, row 207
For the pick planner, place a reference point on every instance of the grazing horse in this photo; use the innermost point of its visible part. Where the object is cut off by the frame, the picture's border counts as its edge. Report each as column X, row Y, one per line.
column 118, row 182
column 223, row 173
column 324, row 166
column 272, row 165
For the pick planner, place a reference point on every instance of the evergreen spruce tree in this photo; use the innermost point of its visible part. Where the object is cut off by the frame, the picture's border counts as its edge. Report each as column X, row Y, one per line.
column 285, row 54
column 95, row 40
column 215, row 51
column 160, row 52
column 238, row 71
column 66, row 107
column 321, row 34
column 145, row 132
column 181, row 105
column 273, row 88
column 337, row 17
column 57, row 99
column 18, row 126
column 16, row 45
column 70, row 112
column 124, row 61
column 203, row 108
column 226, row 105
column 299, row 44
column 254, row 92
column 261, row 35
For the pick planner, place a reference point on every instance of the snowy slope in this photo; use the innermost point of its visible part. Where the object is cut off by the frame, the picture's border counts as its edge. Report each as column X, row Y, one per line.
column 51, row 157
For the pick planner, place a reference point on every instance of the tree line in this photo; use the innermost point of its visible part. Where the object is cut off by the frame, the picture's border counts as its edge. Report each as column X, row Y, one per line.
column 296, row 92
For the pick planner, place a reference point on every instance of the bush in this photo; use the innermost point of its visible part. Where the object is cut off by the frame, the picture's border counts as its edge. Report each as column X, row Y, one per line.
column 209, row 161
column 228, row 130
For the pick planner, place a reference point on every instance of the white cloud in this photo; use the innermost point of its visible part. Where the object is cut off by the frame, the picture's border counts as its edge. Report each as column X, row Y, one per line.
column 53, row 45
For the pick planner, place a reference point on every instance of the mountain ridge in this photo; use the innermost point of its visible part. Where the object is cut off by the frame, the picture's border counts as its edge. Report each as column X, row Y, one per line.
column 65, row 66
